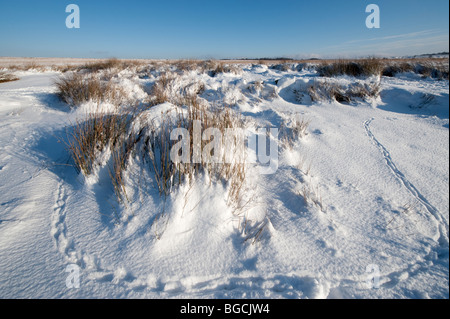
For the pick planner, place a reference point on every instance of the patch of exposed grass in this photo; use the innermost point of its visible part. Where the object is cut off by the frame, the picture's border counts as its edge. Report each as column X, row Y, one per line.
column 101, row 65
column 432, row 68
column 153, row 145
column 292, row 132
column 312, row 196
column 358, row 68
column 214, row 68
column 332, row 91
column 27, row 67
column 7, row 77
column 161, row 91
column 89, row 137
column 76, row 88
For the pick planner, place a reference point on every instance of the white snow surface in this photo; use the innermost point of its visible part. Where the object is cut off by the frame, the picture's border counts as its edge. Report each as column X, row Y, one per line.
column 367, row 161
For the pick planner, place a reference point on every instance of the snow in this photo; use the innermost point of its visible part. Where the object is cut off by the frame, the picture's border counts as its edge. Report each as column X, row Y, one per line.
column 380, row 169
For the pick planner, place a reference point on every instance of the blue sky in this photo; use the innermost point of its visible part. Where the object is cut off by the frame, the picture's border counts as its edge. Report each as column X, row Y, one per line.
column 222, row 29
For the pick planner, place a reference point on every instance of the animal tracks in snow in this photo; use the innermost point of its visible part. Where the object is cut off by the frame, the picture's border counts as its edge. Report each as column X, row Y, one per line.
column 246, row 285
column 59, row 227
column 443, row 240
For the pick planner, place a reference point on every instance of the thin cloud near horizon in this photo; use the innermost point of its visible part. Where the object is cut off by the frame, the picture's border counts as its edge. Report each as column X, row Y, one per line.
column 433, row 39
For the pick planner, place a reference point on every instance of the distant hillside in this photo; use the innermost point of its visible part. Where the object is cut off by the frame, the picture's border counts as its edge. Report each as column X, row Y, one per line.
column 433, row 55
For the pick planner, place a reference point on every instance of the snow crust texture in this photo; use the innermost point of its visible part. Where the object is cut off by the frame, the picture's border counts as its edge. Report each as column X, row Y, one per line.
column 374, row 224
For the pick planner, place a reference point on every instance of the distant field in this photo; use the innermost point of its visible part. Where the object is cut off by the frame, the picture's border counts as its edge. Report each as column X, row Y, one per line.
column 7, row 62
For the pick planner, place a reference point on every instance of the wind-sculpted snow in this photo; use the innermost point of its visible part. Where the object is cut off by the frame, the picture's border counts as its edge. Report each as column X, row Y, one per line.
column 357, row 208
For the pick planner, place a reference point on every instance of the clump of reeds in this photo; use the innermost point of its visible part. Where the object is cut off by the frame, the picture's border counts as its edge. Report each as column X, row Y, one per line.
column 77, row 88
column 356, row 68
column 7, row 77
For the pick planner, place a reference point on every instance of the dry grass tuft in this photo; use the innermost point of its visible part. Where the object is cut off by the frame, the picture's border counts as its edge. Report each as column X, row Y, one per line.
column 101, row 65
column 217, row 165
column 214, row 68
column 89, row 137
column 433, row 68
column 7, row 77
column 187, row 65
column 290, row 133
column 29, row 66
column 76, row 88
column 331, row 91
column 162, row 88
column 153, row 145
column 359, row 68
column 436, row 69
column 312, row 196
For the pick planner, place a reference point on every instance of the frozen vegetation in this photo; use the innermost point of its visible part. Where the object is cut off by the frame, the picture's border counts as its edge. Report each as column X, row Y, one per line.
column 357, row 205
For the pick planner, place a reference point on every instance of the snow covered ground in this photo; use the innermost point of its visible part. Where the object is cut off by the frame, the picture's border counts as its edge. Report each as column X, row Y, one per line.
column 378, row 168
